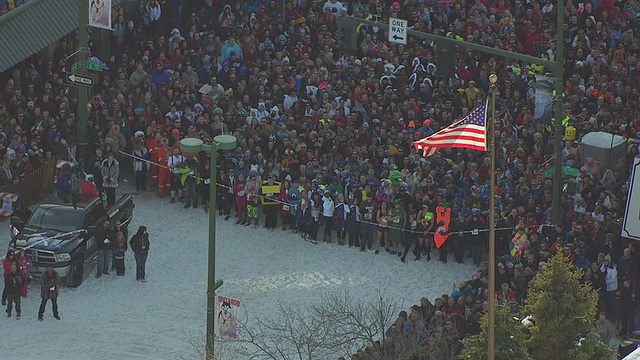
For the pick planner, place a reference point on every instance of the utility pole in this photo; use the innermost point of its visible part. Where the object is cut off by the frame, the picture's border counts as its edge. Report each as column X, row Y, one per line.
column 558, row 115
column 83, row 96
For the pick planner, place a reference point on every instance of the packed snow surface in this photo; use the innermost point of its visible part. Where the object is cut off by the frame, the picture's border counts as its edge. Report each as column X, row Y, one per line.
column 121, row 318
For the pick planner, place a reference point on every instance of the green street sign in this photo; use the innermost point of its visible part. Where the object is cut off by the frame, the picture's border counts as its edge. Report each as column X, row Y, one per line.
column 76, row 66
column 548, row 172
column 94, row 66
column 570, row 171
column 566, row 170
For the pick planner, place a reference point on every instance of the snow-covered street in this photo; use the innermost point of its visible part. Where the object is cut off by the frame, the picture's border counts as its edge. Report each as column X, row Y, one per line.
column 121, row 318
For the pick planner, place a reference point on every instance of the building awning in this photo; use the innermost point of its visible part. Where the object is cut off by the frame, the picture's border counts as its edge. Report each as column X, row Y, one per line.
column 34, row 26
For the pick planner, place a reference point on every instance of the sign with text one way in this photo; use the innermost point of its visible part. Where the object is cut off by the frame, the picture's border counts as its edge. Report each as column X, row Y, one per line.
column 398, row 31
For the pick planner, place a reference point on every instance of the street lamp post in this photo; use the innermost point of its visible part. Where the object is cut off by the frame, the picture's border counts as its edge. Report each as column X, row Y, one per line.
column 192, row 145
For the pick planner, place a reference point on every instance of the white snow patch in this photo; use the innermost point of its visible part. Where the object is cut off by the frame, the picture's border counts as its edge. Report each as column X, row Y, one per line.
column 120, row 318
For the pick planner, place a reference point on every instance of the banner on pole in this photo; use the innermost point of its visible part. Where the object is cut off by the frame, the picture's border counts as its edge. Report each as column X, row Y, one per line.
column 227, row 319
column 100, row 14
column 544, row 99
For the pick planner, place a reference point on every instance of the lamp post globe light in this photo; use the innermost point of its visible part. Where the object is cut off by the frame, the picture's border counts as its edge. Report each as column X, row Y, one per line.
column 192, row 146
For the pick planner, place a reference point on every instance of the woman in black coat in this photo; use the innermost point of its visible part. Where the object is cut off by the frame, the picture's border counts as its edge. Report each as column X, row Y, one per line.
column 140, row 246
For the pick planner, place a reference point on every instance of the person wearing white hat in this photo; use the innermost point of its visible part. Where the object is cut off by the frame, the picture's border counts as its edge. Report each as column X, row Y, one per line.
column 89, row 189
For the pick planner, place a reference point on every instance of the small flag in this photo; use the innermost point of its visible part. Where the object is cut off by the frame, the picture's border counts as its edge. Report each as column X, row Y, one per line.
column 469, row 132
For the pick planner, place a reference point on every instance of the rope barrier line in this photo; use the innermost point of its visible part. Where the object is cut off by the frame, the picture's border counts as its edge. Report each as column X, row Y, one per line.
column 296, row 205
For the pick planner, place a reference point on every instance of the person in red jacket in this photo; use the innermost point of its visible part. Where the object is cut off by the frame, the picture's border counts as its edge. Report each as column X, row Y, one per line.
column 506, row 296
column 89, row 189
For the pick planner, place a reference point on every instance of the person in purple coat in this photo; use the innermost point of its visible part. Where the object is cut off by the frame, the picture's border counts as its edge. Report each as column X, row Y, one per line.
column 339, row 216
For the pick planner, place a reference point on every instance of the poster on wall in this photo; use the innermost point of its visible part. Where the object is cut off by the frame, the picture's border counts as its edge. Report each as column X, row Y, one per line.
column 227, row 318
column 631, row 225
column 100, row 14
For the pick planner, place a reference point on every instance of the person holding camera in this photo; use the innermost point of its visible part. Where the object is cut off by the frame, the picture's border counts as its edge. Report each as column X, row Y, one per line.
column 140, row 247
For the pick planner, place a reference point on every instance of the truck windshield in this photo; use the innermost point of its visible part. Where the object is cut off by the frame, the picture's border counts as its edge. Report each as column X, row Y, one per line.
column 55, row 218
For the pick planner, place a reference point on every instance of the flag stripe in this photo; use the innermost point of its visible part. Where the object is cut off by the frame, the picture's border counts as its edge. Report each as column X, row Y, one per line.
column 468, row 132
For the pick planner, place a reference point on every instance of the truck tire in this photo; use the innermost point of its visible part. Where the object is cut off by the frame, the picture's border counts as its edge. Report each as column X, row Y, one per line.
column 76, row 271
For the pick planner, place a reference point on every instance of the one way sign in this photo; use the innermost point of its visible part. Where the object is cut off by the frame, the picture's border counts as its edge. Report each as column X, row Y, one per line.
column 398, row 31
column 80, row 80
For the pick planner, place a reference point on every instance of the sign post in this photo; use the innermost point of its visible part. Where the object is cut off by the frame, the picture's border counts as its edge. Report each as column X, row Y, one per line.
column 398, row 31
column 81, row 80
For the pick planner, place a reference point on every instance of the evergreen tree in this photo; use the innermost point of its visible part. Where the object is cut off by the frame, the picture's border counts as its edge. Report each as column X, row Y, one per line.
column 562, row 313
column 510, row 338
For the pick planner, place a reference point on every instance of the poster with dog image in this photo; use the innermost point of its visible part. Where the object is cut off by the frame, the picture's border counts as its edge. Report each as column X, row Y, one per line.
column 227, row 318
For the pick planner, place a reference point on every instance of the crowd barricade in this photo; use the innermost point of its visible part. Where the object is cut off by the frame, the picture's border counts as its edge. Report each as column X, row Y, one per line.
column 34, row 187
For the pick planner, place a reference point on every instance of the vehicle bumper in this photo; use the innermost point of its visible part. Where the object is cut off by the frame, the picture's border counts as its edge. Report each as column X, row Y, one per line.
column 61, row 269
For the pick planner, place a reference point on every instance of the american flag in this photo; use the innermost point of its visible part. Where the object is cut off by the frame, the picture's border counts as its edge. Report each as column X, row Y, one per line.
column 468, row 132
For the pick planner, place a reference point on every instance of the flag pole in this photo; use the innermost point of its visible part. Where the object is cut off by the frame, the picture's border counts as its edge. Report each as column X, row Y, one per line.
column 491, row 331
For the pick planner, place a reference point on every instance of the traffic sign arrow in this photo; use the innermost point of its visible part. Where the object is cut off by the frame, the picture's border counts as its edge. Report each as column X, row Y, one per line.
column 80, row 80
column 399, row 38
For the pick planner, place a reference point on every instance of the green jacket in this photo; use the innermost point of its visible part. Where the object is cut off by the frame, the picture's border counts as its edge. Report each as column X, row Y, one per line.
column 186, row 171
column 399, row 224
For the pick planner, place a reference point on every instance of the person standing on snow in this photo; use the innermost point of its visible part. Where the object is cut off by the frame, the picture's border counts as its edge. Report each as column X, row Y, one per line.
column 9, row 259
column 175, row 162
column 140, row 247
column 119, row 249
column 241, row 199
column 103, row 240
column 110, row 173
column 252, row 189
column 13, row 285
column 141, row 164
column 189, row 180
column 24, row 265
column 49, row 290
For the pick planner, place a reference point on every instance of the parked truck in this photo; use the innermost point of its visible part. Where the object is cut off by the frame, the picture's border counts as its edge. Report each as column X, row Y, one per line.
column 62, row 235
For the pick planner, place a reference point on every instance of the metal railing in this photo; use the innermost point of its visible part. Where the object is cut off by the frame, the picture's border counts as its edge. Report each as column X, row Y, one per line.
column 35, row 186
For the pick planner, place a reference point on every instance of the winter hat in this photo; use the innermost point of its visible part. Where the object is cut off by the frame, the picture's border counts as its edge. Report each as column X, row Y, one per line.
column 607, row 258
column 139, row 134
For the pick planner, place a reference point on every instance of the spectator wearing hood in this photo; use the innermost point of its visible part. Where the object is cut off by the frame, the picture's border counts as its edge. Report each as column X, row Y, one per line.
column 231, row 46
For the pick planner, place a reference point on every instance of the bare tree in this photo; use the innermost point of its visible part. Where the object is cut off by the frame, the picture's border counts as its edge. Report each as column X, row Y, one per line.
column 293, row 332
column 356, row 322
column 338, row 325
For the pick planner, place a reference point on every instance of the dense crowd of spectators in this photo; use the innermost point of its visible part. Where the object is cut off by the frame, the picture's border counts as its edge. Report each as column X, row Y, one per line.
column 8, row 5
column 329, row 127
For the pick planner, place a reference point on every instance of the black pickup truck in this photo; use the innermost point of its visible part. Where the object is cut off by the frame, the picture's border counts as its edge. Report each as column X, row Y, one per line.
column 62, row 235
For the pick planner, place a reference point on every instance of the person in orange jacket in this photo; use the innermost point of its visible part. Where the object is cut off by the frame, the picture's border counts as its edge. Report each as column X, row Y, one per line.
column 164, row 175
column 154, row 147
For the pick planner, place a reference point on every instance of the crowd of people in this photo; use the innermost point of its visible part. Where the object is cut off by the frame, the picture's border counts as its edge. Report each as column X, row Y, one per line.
column 325, row 138
column 8, row 5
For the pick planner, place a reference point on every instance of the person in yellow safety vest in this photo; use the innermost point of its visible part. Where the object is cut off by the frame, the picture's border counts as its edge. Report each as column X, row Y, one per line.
column 189, row 180
column 270, row 206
